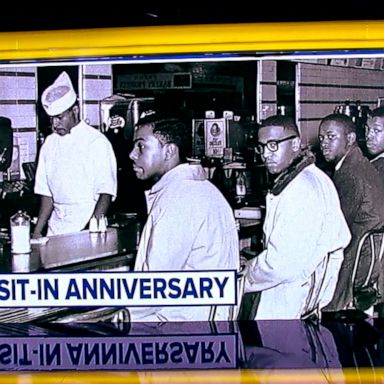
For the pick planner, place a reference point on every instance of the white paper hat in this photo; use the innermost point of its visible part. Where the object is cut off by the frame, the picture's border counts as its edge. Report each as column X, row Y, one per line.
column 59, row 96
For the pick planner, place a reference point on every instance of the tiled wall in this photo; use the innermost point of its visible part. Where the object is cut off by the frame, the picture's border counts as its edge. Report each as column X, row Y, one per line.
column 266, row 89
column 18, row 94
column 18, row 100
column 95, row 85
column 320, row 88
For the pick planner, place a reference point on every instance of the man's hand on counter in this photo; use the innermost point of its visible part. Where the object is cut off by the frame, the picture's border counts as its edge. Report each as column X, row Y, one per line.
column 36, row 235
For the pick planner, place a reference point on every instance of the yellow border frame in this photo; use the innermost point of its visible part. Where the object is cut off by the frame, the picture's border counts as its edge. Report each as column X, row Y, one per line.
column 212, row 38
column 178, row 40
column 241, row 376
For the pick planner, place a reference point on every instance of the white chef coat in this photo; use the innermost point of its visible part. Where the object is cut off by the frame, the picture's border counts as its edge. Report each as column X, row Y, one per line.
column 190, row 226
column 303, row 225
column 74, row 170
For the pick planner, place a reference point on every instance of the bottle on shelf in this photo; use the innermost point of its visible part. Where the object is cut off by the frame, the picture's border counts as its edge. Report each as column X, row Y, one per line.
column 347, row 108
column 241, row 189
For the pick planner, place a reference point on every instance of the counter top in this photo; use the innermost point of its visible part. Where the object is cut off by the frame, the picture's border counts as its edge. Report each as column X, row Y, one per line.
column 62, row 250
column 113, row 250
column 74, row 251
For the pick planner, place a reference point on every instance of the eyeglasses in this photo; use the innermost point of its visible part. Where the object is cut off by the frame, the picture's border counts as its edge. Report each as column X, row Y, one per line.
column 272, row 145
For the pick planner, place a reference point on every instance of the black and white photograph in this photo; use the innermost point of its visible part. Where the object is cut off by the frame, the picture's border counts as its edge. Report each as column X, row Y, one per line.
column 288, row 191
column 191, row 210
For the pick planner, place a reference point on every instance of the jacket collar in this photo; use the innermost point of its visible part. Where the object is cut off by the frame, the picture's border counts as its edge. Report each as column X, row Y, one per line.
column 172, row 177
column 183, row 171
column 379, row 156
column 306, row 158
column 353, row 155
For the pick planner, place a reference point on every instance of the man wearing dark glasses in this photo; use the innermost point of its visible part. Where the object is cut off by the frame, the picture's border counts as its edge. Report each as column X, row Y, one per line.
column 305, row 229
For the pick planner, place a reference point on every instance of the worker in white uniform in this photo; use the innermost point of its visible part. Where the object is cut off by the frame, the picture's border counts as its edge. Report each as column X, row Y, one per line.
column 305, row 229
column 190, row 225
column 76, row 171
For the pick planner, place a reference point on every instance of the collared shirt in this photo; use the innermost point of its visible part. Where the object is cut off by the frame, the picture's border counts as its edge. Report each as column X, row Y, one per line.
column 340, row 162
column 379, row 156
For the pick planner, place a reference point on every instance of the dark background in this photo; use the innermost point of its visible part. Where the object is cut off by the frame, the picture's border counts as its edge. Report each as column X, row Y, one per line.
column 55, row 15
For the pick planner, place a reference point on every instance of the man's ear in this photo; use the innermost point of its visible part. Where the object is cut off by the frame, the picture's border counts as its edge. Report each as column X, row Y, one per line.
column 351, row 138
column 76, row 110
column 171, row 150
column 296, row 144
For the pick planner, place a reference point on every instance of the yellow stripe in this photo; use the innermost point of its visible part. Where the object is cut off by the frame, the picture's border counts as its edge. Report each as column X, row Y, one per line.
column 227, row 376
column 107, row 42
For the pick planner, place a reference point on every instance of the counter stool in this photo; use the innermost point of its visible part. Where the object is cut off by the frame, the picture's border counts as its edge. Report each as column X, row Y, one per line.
column 363, row 307
column 376, row 254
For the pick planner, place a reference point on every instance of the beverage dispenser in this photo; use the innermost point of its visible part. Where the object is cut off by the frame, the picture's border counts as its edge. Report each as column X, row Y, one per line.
column 118, row 116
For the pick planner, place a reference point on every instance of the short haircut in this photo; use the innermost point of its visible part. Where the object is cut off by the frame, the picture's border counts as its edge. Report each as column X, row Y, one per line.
column 287, row 122
column 169, row 130
column 343, row 121
column 377, row 112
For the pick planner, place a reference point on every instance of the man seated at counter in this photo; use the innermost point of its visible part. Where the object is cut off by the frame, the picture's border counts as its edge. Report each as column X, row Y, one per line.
column 76, row 171
column 374, row 136
column 361, row 191
column 190, row 225
column 305, row 230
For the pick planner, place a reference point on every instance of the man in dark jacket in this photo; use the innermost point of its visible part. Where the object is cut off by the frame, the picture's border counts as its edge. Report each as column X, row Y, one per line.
column 361, row 192
column 374, row 136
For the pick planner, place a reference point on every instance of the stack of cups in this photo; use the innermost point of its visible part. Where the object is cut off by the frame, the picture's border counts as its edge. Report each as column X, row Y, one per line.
column 98, row 224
